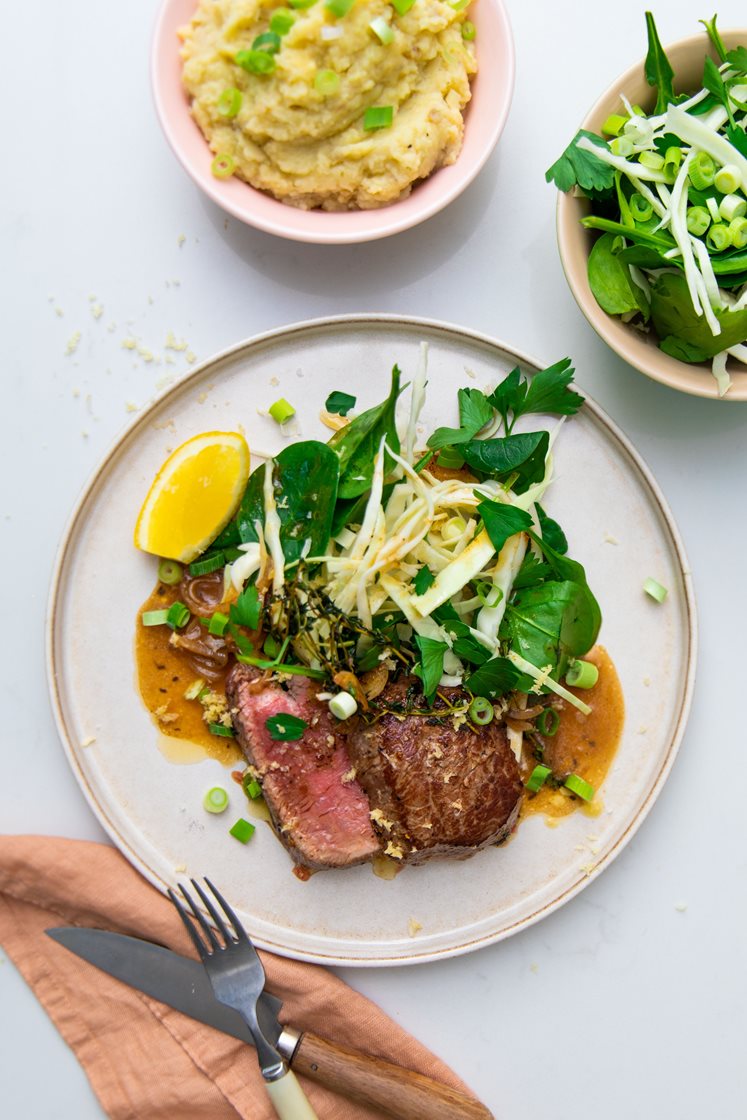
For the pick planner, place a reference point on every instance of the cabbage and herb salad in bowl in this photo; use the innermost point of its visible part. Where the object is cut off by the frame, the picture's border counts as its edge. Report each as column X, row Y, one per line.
column 657, row 175
column 390, row 628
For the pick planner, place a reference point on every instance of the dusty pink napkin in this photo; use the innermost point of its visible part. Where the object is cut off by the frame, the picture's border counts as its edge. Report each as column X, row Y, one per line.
column 145, row 1061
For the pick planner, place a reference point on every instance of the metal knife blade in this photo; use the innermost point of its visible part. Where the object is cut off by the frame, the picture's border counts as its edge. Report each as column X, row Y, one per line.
column 166, row 976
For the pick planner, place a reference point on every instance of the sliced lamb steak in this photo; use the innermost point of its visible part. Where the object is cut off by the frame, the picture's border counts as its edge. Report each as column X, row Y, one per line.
column 320, row 810
column 435, row 789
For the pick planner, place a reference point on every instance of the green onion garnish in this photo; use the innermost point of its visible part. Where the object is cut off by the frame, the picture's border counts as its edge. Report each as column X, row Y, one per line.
column 223, row 167
column 640, row 208
column 614, row 124
column 215, row 800
column 548, row 722
column 210, row 564
column 281, row 21
column 578, row 786
column 489, row 595
column 732, row 206
column 653, row 588
column 229, row 102
column 378, row 116
column 727, row 179
column 697, row 220
column 326, row 82
column 718, row 237
column 267, row 41
column 155, row 618
column 281, row 411
column 221, row 730
column 302, row 5
column 242, row 830
column 469, row 31
column 339, row 8
column 343, row 705
column 217, row 624
column 582, row 674
column 169, row 572
column 621, row 146
column 738, row 232
column 450, row 459
column 460, row 5
column 672, row 159
column 177, row 615
column 480, row 711
column 194, row 689
column 402, row 7
column 537, row 778
column 382, row 29
column 255, row 62
column 251, row 787
column 653, row 160
column 702, row 171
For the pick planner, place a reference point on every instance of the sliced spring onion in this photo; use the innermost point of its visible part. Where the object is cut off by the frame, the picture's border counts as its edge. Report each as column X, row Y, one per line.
column 378, row 116
column 302, row 5
column 702, row 171
column 450, row 459
column 242, row 830
column 537, row 778
column 713, row 209
column 672, row 159
column 326, row 82
column 732, row 206
column 453, row 530
column 223, row 167
column 215, row 800
column 154, row 618
column 217, row 625
column 281, row 410
column 221, row 730
column 481, row 711
column 169, row 572
column 338, row 8
column 655, row 590
column 251, row 787
column 614, row 124
column 653, row 160
column 469, row 31
column 640, row 208
column 177, row 615
column 267, row 41
column 489, row 595
column 460, row 5
column 281, row 21
column 548, row 722
column 402, row 7
column 738, row 233
column 256, row 62
column 194, row 689
column 382, row 29
column 718, row 237
column 727, row 179
column 343, row 706
column 622, row 146
column 210, row 564
column 580, row 787
column 698, row 220
column 582, row 674
column 229, row 102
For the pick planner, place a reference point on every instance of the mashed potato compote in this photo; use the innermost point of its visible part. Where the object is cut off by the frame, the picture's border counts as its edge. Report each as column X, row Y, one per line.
column 313, row 106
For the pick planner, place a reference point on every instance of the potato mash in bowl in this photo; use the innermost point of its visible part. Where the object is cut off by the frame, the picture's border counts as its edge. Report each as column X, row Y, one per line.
column 336, row 104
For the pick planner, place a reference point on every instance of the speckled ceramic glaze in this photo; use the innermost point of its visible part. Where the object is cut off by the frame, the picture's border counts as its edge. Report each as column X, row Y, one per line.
column 619, row 528
column 485, row 117
column 574, row 242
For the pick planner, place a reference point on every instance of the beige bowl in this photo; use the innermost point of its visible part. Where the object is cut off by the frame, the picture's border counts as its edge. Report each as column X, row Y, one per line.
column 574, row 242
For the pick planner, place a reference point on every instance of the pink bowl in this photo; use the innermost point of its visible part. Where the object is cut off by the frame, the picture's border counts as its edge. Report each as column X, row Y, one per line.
column 485, row 118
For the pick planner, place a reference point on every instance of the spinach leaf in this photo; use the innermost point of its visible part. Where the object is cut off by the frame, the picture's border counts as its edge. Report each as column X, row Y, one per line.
column 610, row 280
column 339, row 403
column 497, row 677
column 546, row 624
column 502, row 521
column 350, row 511
column 469, row 649
column 673, row 316
column 585, row 627
column 423, row 580
column 356, row 444
column 551, row 532
column 475, row 411
column 431, row 665
column 523, row 455
column 579, row 168
column 285, row 728
column 305, row 477
column 661, row 242
column 683, row 351
column 657, row 68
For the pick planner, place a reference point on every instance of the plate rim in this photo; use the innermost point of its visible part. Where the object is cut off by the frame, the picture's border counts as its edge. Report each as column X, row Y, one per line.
column 350, row 321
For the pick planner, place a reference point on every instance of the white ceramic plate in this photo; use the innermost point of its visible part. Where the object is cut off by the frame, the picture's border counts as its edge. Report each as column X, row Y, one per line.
column 152, row 808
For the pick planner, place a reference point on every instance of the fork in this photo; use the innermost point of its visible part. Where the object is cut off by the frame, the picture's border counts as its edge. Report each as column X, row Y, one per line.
column 238, row 978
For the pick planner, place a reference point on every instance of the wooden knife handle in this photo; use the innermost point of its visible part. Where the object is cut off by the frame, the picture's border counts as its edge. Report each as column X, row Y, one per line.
column 400, row 1092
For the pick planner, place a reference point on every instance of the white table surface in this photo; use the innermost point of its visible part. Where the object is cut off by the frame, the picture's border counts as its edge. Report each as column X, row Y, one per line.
column 630, row 1001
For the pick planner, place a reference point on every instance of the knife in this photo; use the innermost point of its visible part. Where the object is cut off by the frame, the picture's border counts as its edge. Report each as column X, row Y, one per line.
column 183, row 984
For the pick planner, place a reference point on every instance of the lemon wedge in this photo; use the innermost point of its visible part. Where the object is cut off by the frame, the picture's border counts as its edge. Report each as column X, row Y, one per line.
column 194, row 496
